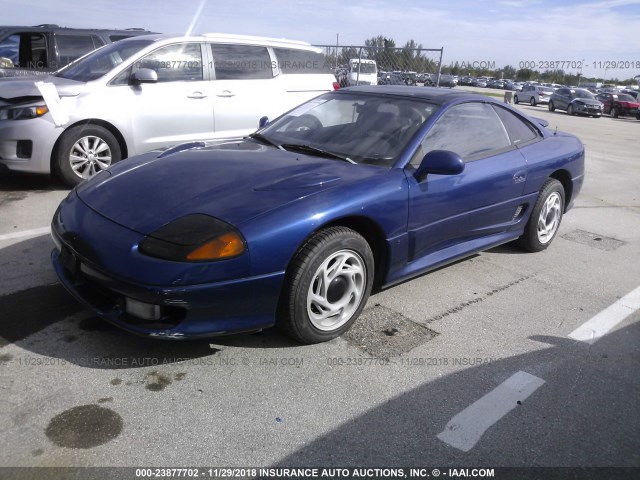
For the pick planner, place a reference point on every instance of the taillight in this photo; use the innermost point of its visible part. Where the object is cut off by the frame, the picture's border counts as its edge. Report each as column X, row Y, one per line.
column 336, row 86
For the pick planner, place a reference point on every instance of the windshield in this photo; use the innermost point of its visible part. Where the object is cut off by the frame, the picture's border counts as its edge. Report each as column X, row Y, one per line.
column 583, row 94
column 364, row 128
column 625, row 98
column 102, row 61
column 364, row 67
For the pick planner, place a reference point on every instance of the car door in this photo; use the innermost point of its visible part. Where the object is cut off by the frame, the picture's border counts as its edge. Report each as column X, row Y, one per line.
column 561, row 101
column 483, row 200
column 177, row 108
column 243, row 87
column 606, row 99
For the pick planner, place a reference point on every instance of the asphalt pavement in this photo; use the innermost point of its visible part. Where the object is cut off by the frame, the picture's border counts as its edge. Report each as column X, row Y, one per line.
column 475, row 364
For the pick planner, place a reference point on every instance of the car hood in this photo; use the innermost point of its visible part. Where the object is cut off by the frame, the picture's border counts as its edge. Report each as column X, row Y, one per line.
column 233, row 182
column 587, row 101
column 17, row 89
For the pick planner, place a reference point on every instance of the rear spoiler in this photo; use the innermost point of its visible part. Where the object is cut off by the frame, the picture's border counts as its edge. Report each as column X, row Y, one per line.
column 541, row 121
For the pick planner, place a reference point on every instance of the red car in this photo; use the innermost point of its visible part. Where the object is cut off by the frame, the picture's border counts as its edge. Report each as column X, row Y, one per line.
column 619, row 104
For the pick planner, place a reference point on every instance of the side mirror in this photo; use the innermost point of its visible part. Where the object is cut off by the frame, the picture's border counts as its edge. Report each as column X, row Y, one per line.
column 263, row 122
column 441, row 162
column 144, row 75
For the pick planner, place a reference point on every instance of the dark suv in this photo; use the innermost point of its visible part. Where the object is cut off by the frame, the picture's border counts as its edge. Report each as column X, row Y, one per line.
column 43, row 49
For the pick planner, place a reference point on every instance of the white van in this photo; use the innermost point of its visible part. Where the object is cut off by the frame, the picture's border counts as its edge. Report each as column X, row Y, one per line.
column 362, row 72
column 151, row 91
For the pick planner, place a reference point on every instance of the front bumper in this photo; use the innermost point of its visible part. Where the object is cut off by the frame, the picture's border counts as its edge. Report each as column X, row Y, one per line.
column 587, row 110
column 221, row 308
column 98, row 262
column 40, row 133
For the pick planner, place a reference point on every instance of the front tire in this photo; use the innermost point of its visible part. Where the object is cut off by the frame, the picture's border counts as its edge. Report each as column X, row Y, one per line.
column 570, row 110
column 515, row 99
column 326, row 286
column 84, row 151
column 532, row 102
column 545, row 219
column 614, row 112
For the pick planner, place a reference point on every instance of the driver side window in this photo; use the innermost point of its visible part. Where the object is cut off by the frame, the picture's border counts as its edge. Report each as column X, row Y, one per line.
column 173, row 63
column 472, row 130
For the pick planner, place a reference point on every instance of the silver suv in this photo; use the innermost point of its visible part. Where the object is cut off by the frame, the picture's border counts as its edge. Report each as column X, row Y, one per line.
column 152, row 91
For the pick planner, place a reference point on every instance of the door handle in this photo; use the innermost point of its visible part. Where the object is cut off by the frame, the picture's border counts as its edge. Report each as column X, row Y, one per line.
column 226, row 93
column 197, row 95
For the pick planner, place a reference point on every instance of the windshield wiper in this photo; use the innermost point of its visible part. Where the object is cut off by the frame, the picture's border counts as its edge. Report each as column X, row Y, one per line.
column 316, row 151
column 263, row 139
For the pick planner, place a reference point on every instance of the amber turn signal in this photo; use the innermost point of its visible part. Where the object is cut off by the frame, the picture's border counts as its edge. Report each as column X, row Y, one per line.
column 225, row 246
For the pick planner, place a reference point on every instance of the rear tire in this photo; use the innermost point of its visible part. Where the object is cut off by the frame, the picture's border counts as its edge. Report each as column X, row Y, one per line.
column 614, row 112
column 326, row 286
column 545, row 219
column 532, row 102
column 84, row 151
column 552, row 107
column 515, row 99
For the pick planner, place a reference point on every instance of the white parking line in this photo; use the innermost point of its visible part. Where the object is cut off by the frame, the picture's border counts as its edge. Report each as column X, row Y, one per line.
column 25, row 233
column 594, row 329
column 465, row 429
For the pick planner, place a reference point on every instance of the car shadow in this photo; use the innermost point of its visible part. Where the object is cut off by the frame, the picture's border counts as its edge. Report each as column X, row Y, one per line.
column 46, row 320
column 30, row 182
column 508, row 249
column 585, row 414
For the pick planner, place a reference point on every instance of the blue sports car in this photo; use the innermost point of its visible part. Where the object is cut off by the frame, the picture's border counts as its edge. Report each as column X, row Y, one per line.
column 294, row 225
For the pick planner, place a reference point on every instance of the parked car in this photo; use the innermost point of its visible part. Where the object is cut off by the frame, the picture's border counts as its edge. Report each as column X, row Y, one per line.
column 633, row 93
column 448, row 81
column 40, row 50
column 141, row 93
column 575, row 101
column 360, row 72
column 533, row 94
column 391, row 78
column 514, row 86
column 360, row 187
column 619, row 105
column 479, row 82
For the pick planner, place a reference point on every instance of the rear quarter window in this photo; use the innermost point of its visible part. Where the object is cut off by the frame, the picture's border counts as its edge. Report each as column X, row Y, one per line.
column 291, row 60
column 520, row 131
column 241, row 62
column 72, row 47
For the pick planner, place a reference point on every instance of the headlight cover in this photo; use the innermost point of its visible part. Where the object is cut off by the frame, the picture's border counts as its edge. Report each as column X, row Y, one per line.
column 194, row 238
column 23, row 113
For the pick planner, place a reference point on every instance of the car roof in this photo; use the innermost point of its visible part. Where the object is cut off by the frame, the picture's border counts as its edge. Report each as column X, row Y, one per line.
column 432, row 94
column 241, row 39
column 48, row 27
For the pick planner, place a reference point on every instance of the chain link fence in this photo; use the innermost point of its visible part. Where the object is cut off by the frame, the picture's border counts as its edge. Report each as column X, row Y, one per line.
column 372, row 65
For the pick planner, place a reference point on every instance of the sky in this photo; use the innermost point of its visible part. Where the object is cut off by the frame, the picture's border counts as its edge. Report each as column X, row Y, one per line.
column 601, row 35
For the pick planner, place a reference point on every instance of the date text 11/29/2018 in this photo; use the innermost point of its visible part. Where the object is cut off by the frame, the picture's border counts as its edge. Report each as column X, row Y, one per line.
column 579, row 64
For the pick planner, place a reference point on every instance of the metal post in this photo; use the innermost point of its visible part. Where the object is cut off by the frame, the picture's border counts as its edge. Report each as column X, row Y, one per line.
column 359, row 63
column 439, row 67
